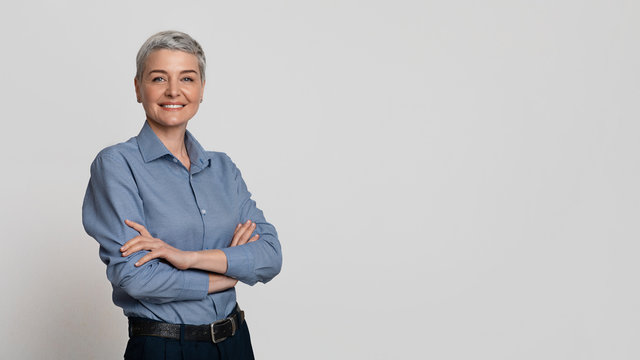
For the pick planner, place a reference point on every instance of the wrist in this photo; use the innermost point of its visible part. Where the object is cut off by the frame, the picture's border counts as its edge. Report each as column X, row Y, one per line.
column 192, row 259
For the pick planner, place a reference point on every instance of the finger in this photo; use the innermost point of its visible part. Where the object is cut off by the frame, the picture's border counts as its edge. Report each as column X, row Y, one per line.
column 246, row 235
column 245, row 230
column 131, row 242
column 254, row 238
column 140, row 244
column 150, row 256
column 236, row 229
column 135, row 248
column 238, row 234
column 137, row 227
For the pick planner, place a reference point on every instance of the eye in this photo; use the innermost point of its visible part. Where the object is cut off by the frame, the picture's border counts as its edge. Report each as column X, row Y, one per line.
column 188, row 79
column 157, row 79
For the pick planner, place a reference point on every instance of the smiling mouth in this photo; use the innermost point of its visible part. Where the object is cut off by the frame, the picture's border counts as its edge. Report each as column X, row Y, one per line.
column 170, row 106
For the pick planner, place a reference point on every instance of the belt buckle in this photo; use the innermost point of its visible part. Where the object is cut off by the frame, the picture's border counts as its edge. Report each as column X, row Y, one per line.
column 219, row 322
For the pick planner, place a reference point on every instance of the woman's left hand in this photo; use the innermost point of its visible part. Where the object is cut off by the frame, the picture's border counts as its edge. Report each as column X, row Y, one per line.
column 157, row 248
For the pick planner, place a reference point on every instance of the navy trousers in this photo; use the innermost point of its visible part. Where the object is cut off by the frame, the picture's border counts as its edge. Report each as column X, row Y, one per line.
column 157, row 348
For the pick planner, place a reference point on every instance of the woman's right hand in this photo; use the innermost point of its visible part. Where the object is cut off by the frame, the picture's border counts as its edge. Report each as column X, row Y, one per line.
column 157, row 248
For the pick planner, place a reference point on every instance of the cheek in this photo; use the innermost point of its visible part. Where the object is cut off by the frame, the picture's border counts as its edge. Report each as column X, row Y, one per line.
column 197, row 92
column 148, row 109
column 150, row 94
column 192, row 92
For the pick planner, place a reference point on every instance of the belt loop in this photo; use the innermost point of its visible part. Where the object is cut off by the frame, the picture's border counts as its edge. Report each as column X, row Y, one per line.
column 181, row 334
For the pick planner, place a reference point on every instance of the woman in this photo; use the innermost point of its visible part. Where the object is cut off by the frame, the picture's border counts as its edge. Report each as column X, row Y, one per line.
column 176, row 224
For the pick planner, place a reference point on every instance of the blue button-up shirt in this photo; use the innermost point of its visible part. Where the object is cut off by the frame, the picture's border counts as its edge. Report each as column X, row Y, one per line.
column 142, row 181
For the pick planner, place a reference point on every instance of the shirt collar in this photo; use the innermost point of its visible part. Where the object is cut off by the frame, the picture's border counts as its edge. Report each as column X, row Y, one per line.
column 152, row 148
column 197, row 155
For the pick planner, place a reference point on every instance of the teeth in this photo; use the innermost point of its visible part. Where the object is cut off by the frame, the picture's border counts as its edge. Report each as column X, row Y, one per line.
column 172, row 106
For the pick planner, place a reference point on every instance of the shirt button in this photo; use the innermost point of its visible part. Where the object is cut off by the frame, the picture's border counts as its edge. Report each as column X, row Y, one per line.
column 203, row 211
column 175, row 160
column 191, row 177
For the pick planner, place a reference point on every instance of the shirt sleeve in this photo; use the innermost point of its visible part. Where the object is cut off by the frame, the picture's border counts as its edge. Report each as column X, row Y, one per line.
column 258, row 261
column 112, row 196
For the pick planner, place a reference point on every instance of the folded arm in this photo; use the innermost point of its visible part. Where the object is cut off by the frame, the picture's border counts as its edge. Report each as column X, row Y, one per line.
column 257, row 261
column 111, row 197
column 213, row 261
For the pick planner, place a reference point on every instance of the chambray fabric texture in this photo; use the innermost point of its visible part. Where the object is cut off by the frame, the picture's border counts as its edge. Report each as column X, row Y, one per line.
column 142, row 181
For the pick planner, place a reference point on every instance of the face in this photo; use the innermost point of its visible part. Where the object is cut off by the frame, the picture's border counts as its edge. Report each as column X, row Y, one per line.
column 170, row 89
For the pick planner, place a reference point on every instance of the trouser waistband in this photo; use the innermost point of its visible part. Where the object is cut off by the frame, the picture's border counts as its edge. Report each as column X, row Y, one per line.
column 215, row 332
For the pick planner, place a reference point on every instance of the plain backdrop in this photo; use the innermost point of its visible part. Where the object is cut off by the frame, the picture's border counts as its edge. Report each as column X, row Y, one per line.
column 449, row 179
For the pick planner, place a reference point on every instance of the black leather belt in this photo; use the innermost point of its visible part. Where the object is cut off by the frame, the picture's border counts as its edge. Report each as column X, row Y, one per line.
column 216, row 332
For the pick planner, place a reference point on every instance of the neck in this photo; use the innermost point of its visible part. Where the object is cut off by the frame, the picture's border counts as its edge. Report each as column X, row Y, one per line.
column 172, row 138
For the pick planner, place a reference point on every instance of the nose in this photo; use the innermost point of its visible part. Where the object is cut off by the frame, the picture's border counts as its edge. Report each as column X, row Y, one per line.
column 172, row 89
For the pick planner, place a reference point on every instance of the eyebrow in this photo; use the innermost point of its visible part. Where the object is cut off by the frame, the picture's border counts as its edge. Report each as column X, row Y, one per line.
column 181, row 72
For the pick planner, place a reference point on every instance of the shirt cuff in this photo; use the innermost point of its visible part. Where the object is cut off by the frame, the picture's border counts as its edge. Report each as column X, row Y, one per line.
column 196, row 285
column 239, row 263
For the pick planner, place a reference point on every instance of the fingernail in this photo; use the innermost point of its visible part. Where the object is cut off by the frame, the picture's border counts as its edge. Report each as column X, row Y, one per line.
column 137, row 264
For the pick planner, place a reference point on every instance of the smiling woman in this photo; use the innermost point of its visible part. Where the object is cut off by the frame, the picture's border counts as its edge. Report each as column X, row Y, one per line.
column 161, row 196
column 170, row 89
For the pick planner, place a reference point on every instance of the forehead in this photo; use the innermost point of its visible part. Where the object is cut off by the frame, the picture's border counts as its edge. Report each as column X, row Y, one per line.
column 171, row 60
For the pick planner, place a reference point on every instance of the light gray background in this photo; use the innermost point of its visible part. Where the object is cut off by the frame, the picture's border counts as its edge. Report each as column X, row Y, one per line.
column 450, row 179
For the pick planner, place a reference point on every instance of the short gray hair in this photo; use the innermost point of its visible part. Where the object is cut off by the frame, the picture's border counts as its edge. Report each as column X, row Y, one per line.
column 171, row 40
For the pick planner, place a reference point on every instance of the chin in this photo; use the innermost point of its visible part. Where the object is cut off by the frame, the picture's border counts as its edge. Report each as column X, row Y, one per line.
column 168, row 122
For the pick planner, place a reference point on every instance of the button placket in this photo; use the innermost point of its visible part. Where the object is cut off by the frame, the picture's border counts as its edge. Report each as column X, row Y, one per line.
column 198, row 202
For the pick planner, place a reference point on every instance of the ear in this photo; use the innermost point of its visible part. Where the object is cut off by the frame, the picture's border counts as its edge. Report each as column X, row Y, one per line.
column 137, row 86
column 202, row 91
